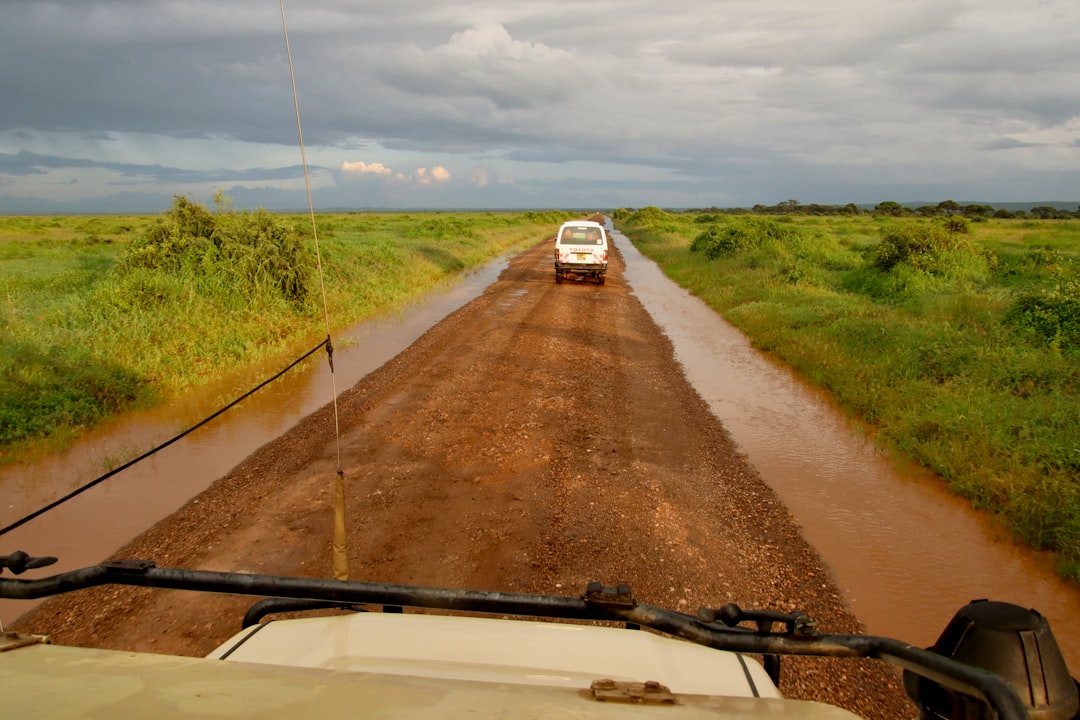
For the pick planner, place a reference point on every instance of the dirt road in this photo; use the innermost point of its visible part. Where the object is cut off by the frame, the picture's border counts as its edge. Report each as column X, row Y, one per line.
column 541, row 437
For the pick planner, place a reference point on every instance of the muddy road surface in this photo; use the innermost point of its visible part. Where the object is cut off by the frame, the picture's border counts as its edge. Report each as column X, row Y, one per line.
column 541, row 437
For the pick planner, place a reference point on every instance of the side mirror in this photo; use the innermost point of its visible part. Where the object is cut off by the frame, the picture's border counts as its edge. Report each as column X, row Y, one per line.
column 1010, row 641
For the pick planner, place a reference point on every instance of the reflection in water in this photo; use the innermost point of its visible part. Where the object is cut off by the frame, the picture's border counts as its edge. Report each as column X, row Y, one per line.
column 906, row 553
column 93, row 525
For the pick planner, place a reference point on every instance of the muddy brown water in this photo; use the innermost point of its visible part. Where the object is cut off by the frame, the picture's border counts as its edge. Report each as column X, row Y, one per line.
column 905, row 552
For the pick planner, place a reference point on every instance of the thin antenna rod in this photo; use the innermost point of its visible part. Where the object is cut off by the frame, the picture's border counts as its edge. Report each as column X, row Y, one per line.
column 341, row 560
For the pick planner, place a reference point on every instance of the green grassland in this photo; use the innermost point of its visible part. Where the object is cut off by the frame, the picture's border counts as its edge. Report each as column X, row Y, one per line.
column 99, row 315
column 956, row 342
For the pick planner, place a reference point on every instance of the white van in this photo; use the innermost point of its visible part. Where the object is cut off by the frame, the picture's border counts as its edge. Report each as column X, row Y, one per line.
column 581, row 251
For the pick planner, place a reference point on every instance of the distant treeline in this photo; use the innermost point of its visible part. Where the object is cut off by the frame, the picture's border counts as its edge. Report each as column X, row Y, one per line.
column 894, row 209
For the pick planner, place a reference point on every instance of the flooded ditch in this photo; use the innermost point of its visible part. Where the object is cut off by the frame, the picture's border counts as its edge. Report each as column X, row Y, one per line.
column 906, row 553
column 93, row 525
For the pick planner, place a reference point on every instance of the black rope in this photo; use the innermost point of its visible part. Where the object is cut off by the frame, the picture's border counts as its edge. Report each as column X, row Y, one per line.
column 22, row 521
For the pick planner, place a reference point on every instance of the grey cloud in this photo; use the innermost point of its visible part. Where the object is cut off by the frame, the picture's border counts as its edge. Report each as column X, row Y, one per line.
column 1009, row 144
column 24, row 163
column 783, row 36
column 765, row 100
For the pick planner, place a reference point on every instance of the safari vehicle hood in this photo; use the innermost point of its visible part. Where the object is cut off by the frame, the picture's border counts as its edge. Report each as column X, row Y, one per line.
column 46, row 681
column 603, row 654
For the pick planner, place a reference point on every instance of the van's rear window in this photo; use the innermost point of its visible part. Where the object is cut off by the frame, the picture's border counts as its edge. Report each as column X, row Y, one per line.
column 581, row 236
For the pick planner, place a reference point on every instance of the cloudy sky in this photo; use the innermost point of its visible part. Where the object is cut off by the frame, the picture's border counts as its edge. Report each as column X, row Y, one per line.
column 117, row 105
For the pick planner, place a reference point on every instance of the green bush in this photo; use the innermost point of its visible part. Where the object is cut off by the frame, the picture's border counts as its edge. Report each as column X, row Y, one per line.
column 246, row 252
column 649, row 216
column 715, row 241
column 909, row 243
column 957, row 223
column 933, row 249
column 743, row 234
column 1053, row 315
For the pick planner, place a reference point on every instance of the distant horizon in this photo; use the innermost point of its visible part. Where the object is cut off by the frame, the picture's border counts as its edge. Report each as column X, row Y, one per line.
column 37, row 207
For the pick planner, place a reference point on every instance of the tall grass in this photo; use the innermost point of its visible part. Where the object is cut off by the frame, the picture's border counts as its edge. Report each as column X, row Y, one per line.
column 960, row 345
column 101, row 315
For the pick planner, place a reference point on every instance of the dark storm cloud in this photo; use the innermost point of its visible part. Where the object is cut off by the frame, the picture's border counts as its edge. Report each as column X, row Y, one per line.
column 122, row 77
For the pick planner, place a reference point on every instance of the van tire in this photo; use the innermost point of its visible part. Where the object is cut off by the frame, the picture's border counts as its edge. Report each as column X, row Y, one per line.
column 558, row 278
column 600, row 280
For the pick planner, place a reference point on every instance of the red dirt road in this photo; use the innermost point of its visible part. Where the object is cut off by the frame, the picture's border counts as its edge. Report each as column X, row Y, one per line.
column 541, row 437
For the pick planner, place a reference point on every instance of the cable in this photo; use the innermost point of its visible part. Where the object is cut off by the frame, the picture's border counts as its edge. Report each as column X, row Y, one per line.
column 193, row 428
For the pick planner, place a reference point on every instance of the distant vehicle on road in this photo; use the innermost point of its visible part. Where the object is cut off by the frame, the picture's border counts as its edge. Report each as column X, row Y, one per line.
column 581, row 251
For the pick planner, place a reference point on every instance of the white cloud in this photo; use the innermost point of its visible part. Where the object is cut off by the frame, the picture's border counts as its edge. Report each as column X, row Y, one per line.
column 436, row 175
column 362, row 168
column 355, row 169
column 491, row 40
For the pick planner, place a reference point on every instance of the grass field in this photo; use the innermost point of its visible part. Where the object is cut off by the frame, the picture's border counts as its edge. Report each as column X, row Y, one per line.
column 101, row 315
column 959, row 342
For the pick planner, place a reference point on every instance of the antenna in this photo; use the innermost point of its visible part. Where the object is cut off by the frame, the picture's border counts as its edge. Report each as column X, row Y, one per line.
column 340, row 544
